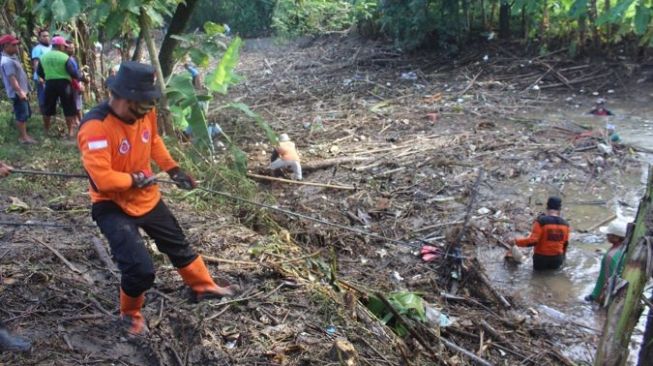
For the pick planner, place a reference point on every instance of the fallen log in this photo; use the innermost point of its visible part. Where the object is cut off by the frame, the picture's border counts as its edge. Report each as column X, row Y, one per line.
column 327, row 163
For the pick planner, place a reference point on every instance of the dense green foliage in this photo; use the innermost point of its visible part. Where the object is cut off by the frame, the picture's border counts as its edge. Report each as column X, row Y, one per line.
column 247, row 18
column 294, row 18
column 446, row 24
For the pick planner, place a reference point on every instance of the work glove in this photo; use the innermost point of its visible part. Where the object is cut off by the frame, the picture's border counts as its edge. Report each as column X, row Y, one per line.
column 142, row 179
column 183, row 180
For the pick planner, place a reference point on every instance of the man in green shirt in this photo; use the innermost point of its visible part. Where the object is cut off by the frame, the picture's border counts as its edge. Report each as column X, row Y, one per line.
column 58, row 71
column 611, row 261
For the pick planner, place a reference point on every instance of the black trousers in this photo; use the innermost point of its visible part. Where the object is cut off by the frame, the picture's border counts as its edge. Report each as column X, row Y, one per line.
column 128, row 247
column 546, row 262
column 61, row 90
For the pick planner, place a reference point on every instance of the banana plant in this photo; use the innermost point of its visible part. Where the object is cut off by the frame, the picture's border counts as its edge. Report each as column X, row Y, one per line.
column 188, row 109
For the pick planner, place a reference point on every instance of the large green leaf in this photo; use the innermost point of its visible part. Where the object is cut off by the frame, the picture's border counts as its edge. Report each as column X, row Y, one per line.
column 212, row 29
column 408, row 303
column 224, row 76
column 132, row 6
column 199, row 57
column 615, row 14
column 197, row 122
column 186, row 109
column 269, row 132
column 578, row 9
column 180, row 90
column 405, row 303
column 114, row 23
column 179, row 116
column 64, row 10
column 155, row 17
column 642, row 19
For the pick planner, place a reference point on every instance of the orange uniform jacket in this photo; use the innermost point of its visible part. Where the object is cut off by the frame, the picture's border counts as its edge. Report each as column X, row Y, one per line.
column 287, row 151
column 112, row 150
column 550, row 236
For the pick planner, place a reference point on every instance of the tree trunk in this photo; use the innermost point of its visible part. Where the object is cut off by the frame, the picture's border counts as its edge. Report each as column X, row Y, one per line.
column 138, row 50
column 86, row 56
column 582, row 33
column 524, row 29
column 544, row 24
column 591, row 15
column 164, row 110
column 626, row 292
column 504, row 20
column 646, row 350
column 483, row 16
column 608, row 25
column 178, row 24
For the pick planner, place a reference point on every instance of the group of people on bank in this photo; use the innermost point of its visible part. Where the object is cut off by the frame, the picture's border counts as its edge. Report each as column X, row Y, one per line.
column 57, row 80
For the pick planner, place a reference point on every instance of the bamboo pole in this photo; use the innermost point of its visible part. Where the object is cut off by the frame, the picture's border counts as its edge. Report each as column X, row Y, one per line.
column 627, row 290
column 323, row 185
column 151, row 49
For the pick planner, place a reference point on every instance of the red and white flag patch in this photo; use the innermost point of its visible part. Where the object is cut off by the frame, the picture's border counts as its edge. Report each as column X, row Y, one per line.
column 98, row 143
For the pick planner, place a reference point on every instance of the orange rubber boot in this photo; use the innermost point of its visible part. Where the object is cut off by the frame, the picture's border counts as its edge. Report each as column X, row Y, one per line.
column 130, row 311
column 197, row 277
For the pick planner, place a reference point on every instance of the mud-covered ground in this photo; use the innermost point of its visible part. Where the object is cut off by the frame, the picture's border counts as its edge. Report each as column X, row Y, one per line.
column 411, row 133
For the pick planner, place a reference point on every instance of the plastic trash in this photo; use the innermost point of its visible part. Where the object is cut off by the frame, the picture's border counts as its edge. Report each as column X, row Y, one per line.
column 553, row 313
column 483, row 211
column 411, row 76
column 436, row 318
column 397, row 276
column 517, row 255
column 604, row 149
column 331, row 330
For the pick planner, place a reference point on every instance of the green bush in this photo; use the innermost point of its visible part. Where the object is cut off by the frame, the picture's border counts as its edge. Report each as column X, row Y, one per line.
column 293, row 18
column 251, row 18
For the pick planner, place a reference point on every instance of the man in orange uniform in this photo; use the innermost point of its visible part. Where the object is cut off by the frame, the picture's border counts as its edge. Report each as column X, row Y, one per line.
column 286, row 156
column 118, row 139
column 549, row 236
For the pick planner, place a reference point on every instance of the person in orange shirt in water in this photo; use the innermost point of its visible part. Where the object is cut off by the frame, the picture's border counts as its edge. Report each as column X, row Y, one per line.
column 118, row 139
column 549, row 236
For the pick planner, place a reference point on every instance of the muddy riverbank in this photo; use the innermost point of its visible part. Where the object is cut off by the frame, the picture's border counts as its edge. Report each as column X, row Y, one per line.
column 411, row 133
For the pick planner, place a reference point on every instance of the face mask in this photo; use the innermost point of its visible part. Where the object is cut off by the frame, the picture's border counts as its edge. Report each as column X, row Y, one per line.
column 140, row 109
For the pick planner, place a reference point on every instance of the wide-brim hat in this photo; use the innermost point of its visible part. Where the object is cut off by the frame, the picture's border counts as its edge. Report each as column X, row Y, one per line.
column 617, row 227
column 134, row 81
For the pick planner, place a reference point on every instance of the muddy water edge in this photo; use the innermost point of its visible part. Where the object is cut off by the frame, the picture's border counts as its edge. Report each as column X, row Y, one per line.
column 588, row 204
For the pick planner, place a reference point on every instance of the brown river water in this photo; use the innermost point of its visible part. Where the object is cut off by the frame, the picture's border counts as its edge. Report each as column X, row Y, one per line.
column 558, row 296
